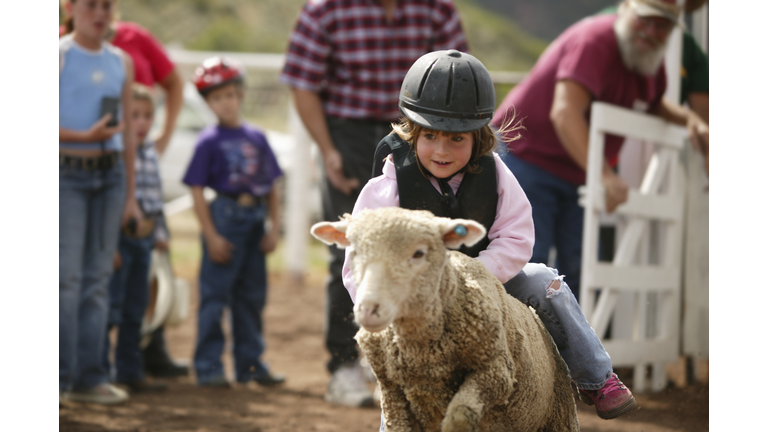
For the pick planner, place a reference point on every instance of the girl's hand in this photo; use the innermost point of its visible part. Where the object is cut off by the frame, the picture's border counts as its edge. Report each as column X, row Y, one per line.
column 219, row 249
column 101, row 132
column 117, row 261
column 269, row 242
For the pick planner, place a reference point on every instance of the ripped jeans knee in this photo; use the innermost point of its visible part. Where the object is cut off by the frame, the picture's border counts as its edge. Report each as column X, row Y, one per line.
column 538, row 286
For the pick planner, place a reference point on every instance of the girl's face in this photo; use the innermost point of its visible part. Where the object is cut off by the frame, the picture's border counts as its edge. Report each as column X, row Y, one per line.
column 142, row 117
column 444, row 154
column 91, row 17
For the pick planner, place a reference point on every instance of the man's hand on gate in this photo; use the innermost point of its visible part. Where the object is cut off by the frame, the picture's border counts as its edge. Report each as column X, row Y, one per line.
column 616, row 190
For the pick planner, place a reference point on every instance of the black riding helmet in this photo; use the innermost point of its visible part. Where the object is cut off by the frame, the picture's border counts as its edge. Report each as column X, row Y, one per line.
column 449, row 91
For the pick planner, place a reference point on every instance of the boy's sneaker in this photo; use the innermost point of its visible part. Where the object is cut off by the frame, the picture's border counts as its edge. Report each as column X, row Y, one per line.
column 215, row 382
column 143, row 386
column 104, row 393
column 349, row 387
column 611, row 401
column 270, row 379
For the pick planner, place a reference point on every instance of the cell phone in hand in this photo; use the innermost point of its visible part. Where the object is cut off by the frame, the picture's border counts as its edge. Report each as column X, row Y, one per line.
column 131, row 226
column 110, row 105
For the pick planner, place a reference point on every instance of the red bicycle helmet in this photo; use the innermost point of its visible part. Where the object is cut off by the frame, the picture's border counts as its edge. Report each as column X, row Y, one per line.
column 215, row 72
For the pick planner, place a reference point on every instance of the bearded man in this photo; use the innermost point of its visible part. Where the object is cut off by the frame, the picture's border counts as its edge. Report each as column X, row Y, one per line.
column 617, row 59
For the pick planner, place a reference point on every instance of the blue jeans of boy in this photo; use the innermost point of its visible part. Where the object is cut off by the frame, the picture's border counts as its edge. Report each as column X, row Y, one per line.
column 128, row 298
column 90, row 209
column 558, row 219
column 241, row 285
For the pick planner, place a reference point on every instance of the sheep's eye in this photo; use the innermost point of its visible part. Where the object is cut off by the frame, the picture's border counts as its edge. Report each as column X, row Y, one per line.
column 418, row 254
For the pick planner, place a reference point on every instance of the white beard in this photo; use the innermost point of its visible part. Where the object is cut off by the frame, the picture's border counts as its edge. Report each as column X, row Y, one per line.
column 644, row 63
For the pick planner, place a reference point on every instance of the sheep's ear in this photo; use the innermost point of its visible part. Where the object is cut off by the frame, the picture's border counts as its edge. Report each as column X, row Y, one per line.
column 331, row 232
column 461, row 231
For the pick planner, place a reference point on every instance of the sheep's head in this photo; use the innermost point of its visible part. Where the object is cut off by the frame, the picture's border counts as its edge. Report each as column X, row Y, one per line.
column 395, row 254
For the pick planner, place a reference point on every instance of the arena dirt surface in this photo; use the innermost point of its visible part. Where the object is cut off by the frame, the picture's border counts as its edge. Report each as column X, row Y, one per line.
column 294, row 333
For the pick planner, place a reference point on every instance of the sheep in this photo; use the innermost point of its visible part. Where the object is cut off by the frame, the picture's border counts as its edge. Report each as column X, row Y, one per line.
column 451, row 350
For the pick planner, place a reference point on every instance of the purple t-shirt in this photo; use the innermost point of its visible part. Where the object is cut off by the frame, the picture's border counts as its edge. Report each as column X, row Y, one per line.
column 588, row 53
column 233, row 160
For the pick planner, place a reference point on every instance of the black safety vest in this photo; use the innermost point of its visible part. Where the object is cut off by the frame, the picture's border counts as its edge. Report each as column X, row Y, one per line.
column 476, row 198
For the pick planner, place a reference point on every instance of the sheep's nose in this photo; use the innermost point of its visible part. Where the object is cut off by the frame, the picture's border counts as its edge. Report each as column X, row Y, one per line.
column 369, row 310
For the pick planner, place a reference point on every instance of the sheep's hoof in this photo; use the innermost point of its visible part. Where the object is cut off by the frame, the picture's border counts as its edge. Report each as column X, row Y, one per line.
column 461, row 419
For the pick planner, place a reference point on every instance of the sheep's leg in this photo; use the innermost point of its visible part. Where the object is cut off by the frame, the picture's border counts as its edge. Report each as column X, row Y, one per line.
column 395, row 408
column 466, row 408
column 394, row 404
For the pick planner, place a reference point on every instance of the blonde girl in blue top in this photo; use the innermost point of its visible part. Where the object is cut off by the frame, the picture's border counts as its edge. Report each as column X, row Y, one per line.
column 96, row 194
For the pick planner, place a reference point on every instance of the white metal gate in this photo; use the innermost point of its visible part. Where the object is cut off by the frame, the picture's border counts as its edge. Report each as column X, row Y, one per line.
column 638, row 293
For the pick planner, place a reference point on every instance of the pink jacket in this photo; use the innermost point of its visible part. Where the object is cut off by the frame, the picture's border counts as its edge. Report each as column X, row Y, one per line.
column 511, row 234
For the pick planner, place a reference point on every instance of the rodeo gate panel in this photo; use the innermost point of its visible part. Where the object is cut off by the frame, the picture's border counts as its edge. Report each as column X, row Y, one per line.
column 638, row 293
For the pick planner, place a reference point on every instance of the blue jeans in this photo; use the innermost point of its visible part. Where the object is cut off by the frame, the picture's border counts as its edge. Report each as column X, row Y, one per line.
column 241, row 285
column 90, row 209
column 128, row 299
column 558, row 219
column 587, row 360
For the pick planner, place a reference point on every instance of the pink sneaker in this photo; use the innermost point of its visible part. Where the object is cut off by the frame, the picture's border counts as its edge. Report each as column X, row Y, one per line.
column 611, row 401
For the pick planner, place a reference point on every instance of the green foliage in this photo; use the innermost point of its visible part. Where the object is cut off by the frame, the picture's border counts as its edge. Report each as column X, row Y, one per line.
column 496, row 41
column 223, row 34
column 264, row 26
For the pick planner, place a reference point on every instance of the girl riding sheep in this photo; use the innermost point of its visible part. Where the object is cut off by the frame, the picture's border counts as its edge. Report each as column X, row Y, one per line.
column 443, row 160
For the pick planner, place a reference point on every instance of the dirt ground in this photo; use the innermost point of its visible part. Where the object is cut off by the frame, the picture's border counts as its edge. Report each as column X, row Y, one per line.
column 294, row 335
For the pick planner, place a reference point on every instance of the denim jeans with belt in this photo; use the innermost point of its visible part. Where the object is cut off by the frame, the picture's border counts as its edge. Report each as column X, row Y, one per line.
column 241, row 285
column 356, row 140
column 128, row 299
column 90, row 208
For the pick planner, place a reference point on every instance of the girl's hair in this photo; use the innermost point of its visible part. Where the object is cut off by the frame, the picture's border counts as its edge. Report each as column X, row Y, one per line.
column 69, row 23
column 486, row 139
column 143, row 93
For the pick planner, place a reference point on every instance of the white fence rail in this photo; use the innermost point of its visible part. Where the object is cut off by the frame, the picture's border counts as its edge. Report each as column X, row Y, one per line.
column 639, row 293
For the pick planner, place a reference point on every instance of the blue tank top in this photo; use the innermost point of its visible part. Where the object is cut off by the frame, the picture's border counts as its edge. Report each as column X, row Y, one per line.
column 85, row 77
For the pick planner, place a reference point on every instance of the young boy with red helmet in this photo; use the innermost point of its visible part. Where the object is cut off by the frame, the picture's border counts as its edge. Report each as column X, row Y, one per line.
column 234, row 159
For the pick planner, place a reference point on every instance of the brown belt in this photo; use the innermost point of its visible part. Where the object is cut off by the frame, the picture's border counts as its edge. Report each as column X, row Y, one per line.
column 106, row 161
column 244, row 199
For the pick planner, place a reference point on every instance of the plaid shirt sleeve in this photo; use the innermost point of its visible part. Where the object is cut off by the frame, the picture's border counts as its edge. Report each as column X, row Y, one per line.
column 309, row 48
column 449, row 33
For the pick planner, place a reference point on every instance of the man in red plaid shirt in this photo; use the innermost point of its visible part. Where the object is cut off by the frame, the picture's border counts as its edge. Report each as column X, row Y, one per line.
column 345, row 64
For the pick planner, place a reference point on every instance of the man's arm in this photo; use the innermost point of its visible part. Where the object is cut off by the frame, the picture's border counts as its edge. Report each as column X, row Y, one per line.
column 698, row 130
column 699, row 103
column 569, row 106
column 310, row 109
